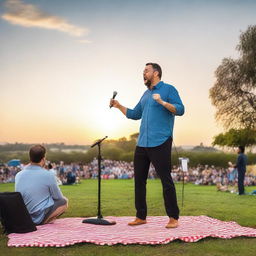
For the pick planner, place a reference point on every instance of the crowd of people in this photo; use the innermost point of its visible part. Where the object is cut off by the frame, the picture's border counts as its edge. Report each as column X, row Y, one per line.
column 111, row 169
column 8, row 173
column 210, row 175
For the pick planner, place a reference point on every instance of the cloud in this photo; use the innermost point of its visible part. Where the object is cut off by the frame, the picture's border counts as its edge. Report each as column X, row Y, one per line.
column 28, row 15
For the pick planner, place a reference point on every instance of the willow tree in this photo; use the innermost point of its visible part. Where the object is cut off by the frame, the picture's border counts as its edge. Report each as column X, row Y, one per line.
column 234, row 92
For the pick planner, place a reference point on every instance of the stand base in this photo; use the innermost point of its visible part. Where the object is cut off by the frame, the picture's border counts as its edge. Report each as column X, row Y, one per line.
column 99, row 221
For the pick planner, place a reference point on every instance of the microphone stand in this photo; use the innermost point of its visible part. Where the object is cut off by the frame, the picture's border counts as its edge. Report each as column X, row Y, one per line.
column 99, row 220
column 183, row 181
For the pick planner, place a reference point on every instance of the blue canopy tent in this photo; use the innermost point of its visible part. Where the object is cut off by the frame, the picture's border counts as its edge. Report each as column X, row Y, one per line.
column 14, row 162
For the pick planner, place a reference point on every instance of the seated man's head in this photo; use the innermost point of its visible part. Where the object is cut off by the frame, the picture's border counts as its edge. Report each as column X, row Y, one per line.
column 37, row 155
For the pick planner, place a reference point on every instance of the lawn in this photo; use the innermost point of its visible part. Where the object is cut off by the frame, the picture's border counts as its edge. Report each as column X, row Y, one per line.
column 117, row 200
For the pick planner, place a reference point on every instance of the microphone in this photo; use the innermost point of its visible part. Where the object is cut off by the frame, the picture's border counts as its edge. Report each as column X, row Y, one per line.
column 114, row 95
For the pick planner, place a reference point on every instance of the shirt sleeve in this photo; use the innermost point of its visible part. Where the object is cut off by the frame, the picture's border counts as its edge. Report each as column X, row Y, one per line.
column 54, row 189
column 135, row 113
column 175, row 100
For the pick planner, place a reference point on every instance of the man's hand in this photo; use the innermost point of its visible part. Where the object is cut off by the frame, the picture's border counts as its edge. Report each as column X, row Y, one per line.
column 165, row 104
column 157, row 98
column 114, row 103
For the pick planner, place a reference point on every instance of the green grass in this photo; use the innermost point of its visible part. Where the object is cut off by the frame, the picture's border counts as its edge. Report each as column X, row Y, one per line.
column 117, row 200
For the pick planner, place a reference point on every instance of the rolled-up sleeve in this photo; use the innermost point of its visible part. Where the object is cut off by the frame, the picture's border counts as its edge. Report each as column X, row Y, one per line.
column 135, row 113
column 175, row 100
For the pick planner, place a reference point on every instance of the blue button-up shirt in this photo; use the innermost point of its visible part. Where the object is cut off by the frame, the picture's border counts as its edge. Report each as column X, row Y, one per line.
column 157, row 121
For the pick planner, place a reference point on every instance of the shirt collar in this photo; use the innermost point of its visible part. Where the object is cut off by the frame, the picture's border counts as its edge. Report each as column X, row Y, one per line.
column 158, row 86
column 33, row 166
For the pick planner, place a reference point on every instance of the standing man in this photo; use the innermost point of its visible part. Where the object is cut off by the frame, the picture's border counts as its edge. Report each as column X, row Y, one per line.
column 241, row 168
column 39, row 189
column 157, row 108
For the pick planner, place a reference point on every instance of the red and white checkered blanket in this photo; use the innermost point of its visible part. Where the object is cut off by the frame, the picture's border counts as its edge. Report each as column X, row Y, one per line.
column 69, row 231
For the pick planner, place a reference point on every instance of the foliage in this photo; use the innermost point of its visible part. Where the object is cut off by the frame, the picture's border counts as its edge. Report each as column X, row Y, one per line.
column 123, row 150
column 235, row 138
column 202, row 148
column 25, row 147
column 219, row 159
column 233, row 93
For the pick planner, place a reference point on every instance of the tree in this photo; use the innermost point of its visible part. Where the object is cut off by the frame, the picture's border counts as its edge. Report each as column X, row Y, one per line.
column 234, row 92
column 134, row 136
column 202, row 148
column 235, row 138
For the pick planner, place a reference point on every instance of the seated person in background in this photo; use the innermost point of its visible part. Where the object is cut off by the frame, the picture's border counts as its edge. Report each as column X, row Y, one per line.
column 39, row 189
column 71, row 178
column 223, row 188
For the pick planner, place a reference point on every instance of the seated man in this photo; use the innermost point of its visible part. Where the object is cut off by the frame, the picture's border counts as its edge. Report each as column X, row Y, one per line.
column 71, row 178
column 39, row 189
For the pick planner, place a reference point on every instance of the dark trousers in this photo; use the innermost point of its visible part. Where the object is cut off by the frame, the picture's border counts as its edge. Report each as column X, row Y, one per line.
column 160, row 157
column 241, row 175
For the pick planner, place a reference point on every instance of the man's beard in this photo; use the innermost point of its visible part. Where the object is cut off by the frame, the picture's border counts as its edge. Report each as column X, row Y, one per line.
column 147, row 82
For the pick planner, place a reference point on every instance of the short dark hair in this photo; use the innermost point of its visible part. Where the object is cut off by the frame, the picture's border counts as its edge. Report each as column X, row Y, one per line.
column 241, row 149
column 37, row 153
column 156, row 67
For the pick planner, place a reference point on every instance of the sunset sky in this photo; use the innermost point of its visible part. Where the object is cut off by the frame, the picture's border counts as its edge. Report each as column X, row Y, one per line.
column 61, row 60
